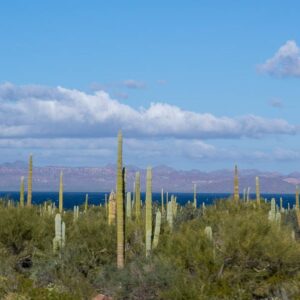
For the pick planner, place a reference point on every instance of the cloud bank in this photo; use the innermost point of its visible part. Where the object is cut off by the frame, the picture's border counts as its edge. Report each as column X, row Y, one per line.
column 43, row 112
column 284, row 63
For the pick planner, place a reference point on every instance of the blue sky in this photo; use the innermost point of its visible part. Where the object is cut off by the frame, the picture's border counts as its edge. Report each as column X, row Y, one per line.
column 211, row 59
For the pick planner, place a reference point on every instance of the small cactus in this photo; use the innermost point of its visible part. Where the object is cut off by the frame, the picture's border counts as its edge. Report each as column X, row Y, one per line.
column 281, row 205
column 128, row 205
column 157, row 229
column 195, row 195
column 86, row 203
column 248, row 194
column 22, row 192
column 111, row 208
column 208, row 233
column 274, row 214
column 257, row 190
column 59, row 239
column 75, row 213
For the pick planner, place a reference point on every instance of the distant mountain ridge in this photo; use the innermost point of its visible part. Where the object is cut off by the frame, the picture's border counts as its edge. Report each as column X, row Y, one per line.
column 94, row 179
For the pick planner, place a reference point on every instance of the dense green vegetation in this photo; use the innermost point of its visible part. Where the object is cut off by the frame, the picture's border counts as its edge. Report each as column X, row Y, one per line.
column 249, row 257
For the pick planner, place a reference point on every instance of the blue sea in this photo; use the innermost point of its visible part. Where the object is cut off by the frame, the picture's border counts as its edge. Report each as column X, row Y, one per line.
column 78, row 198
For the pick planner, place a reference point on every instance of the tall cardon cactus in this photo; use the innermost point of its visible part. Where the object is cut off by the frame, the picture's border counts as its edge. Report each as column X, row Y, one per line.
column 137, row 195
column 148, row 210
column 120, row 206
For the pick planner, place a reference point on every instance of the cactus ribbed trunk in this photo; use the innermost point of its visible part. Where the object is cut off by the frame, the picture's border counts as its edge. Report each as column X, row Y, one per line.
column 236, row 196
column 111, row 208
column 137, row 195
column 156, row 230
column 29, row 187
column 128, row 205
column 170, row 215
column 22, row 192
column 257, row 190
column 120, row 207
column 248, row 194
column 148, row 210
column 86, row 203
column 61, row 191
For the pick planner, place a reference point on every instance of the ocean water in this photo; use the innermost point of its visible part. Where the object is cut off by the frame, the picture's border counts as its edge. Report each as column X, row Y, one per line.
column 78, row 198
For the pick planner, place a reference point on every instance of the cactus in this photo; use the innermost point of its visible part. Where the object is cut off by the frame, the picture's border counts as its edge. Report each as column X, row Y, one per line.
column 49, row 209
column 195, row 195
column 274, row 214
column 170, row 215
column 248, row 194
column 75, row 213
column 137, row 195
column 203, row 206
column 61, row 191
column 128, row 205
column 208, row 233
column 148, row 210
column 293, row 235
column 157, row 229
column 60, row 238
column 120, row 206
column 53, row 208
column 86, row 203
column 29, row 188
column 236, row 196
column 22, row 192
column 281, row 205
column 257, row 190
column 111, row 208
column 174, row 205
column 162, row 201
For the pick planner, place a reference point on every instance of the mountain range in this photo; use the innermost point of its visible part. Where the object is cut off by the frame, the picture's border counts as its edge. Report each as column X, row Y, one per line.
column 95, row 179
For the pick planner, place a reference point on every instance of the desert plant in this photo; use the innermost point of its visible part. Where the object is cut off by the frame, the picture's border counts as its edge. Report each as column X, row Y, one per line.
column 236, row 196
column 22, row 192
column 120, row 206
column 148, row 214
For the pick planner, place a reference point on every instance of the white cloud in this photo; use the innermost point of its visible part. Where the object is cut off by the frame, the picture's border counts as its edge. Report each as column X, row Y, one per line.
column 285, row 62
column 39, row 112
